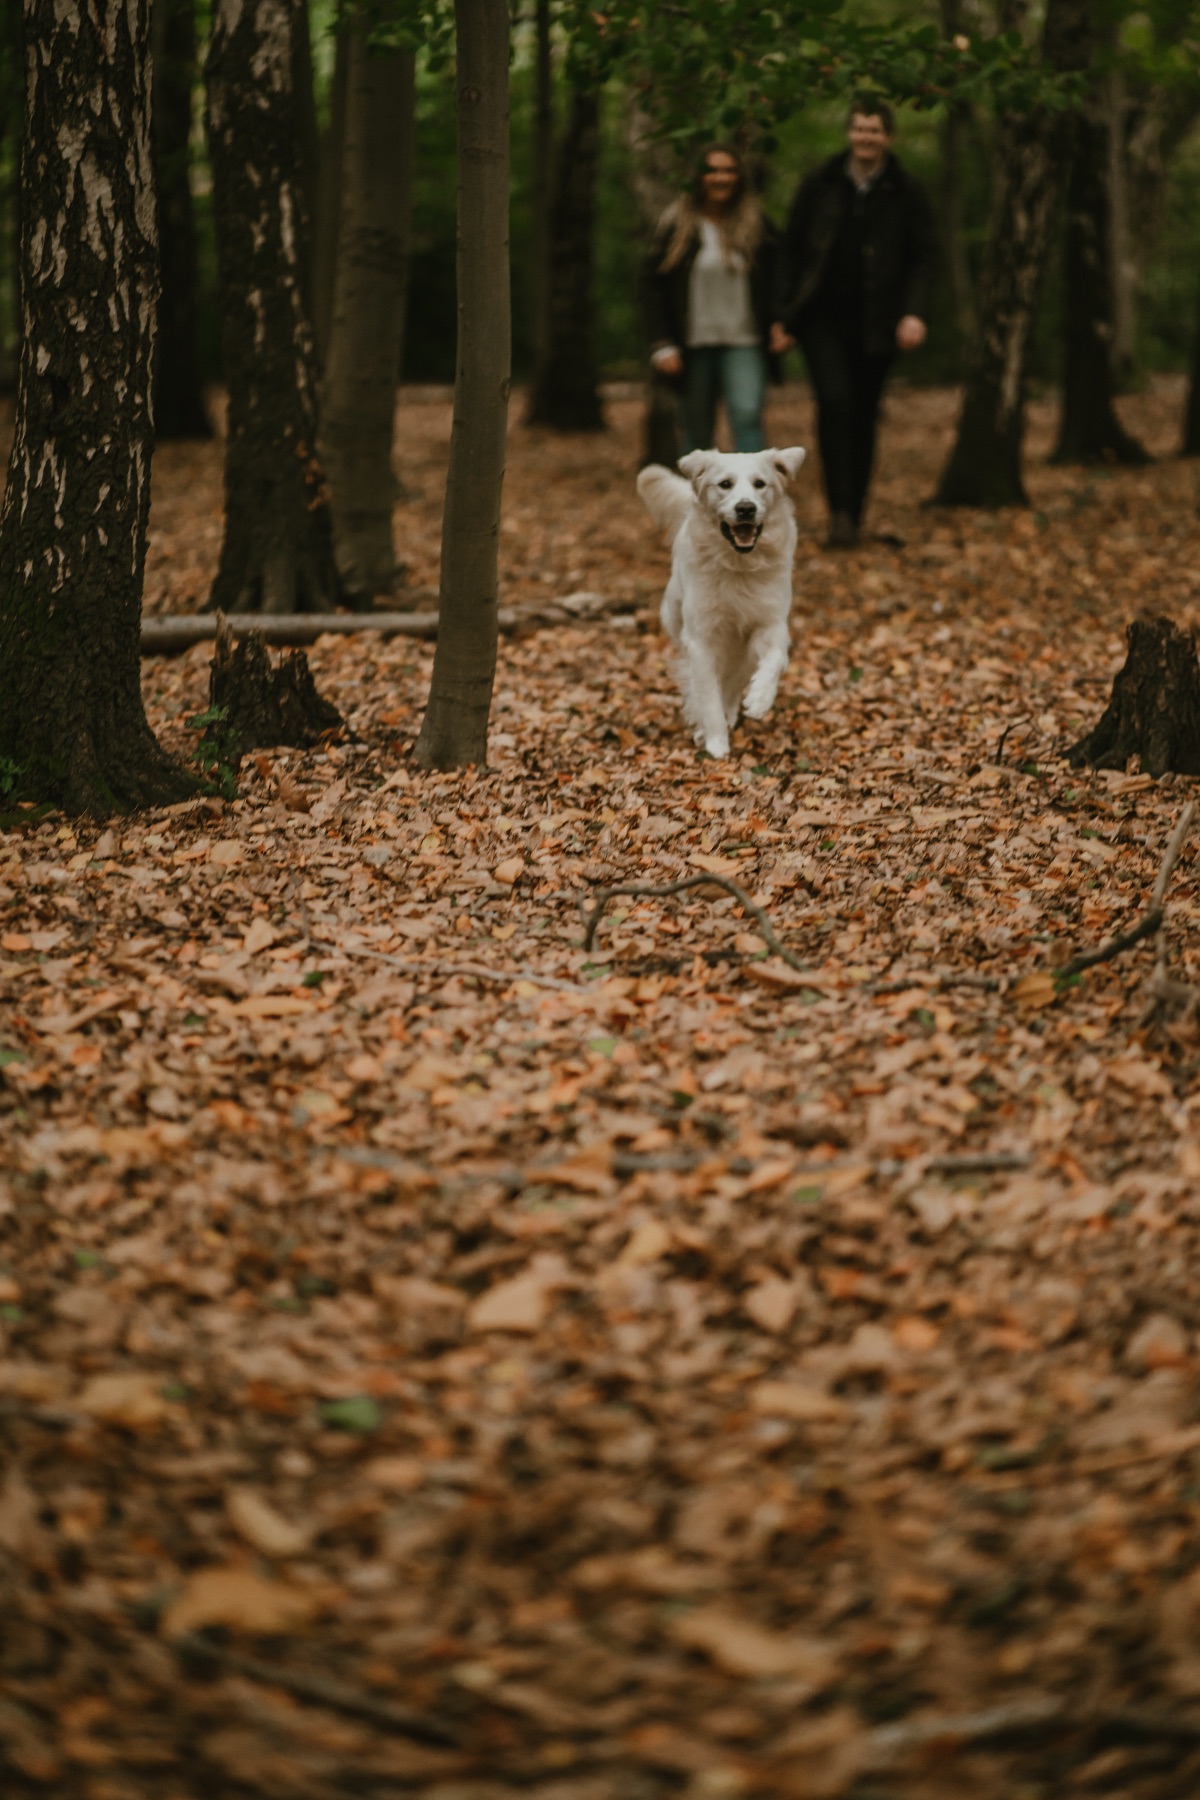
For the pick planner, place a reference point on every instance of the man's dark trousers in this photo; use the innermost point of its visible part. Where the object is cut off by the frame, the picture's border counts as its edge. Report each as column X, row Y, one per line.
column 848, row 383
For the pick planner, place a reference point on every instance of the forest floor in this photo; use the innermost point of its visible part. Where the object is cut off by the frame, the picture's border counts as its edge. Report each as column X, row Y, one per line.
column 437, row 1360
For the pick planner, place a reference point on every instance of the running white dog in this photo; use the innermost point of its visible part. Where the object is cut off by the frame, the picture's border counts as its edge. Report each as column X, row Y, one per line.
column 726, row 605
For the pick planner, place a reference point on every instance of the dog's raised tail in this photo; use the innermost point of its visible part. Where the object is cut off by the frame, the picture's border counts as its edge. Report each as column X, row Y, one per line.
column 666, row 496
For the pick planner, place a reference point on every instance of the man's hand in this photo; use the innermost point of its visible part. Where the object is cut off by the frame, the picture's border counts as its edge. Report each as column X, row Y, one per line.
column 668, row 362
column 780, row 340
column 910, row 332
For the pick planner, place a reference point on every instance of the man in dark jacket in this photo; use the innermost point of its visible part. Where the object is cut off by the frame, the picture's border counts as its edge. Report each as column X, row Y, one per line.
column 856, row 268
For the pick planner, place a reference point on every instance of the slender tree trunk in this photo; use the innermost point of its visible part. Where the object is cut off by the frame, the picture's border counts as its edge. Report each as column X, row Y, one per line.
column 12, row 112
column 73, row 523
column 1191, row 414
column 454, row 731
column 329, row 199
column 539, row 186
column 566, row 392
column 955, row 126
column 1123, row 257
column 278, row 550
column 654, row 181
column 1089, row 430
column 358, row 397
column 179, row 409
column 984, row 468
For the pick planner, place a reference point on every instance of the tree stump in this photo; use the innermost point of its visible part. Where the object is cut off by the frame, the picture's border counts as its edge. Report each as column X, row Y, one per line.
column 1154, row 708
column 262, row 707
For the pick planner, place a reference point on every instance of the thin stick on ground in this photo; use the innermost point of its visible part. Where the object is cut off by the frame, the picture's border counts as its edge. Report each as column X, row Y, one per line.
column 641, row 890
column 1153, row 918
column 334, row 1694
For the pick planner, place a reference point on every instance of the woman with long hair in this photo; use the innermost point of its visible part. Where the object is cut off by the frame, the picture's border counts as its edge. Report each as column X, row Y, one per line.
column 709, row 292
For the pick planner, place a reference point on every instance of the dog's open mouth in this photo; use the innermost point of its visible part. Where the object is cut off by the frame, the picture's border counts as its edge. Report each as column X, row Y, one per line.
column 743, row 537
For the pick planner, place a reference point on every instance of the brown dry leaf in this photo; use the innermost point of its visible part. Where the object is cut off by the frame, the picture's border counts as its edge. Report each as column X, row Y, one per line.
column 518, row 1305
column 740, row 1647
column 134, row 1400
column 1035, row 990
column 772, row 1304
column 255, row 1519
column 508, row 872
column 647, row 1243
column 270, row 1006
column 240, row 1600
column 796, row 1400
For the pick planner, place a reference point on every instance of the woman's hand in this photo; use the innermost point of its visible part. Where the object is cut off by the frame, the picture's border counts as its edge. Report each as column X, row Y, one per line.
column 910, row 332
column 668, row 361
column 779, row 340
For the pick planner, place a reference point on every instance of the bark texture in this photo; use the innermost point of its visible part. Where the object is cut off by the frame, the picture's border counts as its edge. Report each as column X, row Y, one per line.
column 984, row 468
column 329, row 200
column 1154, row 710
column 73, row 525
column 179, row 409
column 654, row 181
column 454, row 731
column 358, row 397
column 539, row 180
column 566, row 393
column 1191, row 412
column 277, row 554
column 1089, row 429
column 264, row 706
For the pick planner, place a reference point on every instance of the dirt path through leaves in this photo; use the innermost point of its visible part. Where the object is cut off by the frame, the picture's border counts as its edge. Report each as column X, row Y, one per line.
column 623, row 1364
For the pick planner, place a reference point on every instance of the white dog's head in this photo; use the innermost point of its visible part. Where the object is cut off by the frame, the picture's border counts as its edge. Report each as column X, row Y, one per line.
column 738, row 492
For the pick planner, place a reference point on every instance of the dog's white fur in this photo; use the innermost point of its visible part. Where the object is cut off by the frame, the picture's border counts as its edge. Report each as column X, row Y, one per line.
column 726, row 606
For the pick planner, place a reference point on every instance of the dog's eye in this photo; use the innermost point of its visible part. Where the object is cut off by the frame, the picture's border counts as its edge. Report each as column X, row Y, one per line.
column 760, row 484
column 724, row 484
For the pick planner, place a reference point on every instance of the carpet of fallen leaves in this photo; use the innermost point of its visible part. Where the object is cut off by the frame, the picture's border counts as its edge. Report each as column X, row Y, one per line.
column 437, row 1360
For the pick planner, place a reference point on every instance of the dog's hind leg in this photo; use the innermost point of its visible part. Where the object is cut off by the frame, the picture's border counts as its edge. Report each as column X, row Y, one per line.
column 769, row 649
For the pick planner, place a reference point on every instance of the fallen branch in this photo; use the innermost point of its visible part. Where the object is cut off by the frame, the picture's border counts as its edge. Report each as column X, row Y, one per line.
column 1150, row 923
column 995, row 1162
column 168, row 635
column 640, row 890
column 470, row 971
column 998, row 758
column 989, row 984
column 334, row 1694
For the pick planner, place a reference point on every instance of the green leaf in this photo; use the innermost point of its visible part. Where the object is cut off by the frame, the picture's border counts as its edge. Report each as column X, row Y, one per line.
column 603, row 1046
column 807, row 1196
column 11, row 1056
column 360, row 1414
column 314, row 978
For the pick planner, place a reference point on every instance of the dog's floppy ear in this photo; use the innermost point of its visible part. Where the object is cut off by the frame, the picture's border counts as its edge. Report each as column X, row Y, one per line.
column 787, row 461
column 694, row 464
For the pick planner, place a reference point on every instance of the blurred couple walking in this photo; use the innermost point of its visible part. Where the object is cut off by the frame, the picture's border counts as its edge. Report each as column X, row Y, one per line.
column 727, row 295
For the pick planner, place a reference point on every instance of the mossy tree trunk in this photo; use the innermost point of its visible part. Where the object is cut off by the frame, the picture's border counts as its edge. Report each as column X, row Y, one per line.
column 179, row 410
column 566, row 391
column 277, row 554
column 454, row 731
column 73, row 730
column 358, row 396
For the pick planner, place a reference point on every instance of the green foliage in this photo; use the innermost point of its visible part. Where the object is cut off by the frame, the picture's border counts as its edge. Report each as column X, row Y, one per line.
column 217, row 754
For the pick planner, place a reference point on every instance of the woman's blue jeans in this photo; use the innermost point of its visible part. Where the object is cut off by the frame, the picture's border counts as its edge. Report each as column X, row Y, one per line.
column 734, row 373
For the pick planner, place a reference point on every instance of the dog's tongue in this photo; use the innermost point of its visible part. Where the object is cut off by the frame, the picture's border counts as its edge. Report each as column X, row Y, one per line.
column 745, row 534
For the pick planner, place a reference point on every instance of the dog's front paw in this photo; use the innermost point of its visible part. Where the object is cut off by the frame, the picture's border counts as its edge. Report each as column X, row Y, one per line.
column 717, row 746
column 758, row 705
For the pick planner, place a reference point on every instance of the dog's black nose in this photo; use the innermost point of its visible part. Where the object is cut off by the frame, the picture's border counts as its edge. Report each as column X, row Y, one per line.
column 746, row 509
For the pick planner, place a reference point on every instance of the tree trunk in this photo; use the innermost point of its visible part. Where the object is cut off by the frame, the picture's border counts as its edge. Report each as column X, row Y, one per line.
column 358, row 397
column 1089, row 430
column 73, row 524
column 329, row 199
column 454, row 731
column 308, row 141
column 654, row 175
column 539, row 184
column 955, row 124
column 1123, row 259
column 1191, row 414
column 985, row 464
column 278, row 550
column 565, row 384
column 179, row 409
column 1154, row 711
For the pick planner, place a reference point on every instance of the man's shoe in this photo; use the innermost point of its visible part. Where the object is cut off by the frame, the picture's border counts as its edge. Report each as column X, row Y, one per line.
column 843, row 533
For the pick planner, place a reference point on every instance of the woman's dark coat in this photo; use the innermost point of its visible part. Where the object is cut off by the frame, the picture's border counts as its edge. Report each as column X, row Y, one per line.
column 665, row 292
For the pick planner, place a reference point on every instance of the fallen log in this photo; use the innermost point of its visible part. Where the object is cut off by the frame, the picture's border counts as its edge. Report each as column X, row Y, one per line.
column 170, row 635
